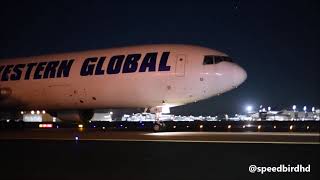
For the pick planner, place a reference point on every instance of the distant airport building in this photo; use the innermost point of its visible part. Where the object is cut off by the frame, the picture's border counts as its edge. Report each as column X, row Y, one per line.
column 139, row 117
column 38, row 117
column 101, row 116
column 284, row 115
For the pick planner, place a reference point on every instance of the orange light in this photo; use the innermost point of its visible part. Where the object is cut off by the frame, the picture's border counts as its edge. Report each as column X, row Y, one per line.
column 45, row 125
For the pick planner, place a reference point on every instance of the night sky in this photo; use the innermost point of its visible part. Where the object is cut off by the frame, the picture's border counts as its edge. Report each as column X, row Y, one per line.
column 276, row 42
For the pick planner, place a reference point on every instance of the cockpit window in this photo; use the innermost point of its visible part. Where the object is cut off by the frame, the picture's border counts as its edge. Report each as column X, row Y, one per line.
column 215, row 59
column 208, row 60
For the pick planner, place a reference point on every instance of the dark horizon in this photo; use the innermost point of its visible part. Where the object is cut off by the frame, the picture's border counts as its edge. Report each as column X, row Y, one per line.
column 277, row 43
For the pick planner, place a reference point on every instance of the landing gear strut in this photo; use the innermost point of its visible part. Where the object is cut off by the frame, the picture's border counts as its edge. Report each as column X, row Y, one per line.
column 158, row 124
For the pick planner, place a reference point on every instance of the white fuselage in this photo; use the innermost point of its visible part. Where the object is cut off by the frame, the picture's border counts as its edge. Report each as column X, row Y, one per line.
column 137, row 76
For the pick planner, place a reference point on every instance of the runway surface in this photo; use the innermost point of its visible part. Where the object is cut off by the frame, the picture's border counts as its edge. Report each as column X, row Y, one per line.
column 55, row 154
column 117, row 160
column 204, row 137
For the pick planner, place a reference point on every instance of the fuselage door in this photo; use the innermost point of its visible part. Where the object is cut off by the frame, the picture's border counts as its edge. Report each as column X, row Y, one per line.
column 181, row 65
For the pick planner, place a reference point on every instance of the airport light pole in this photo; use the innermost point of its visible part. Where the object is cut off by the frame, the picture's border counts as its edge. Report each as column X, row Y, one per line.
column 294, row 107
column 305, row 112
column 313, row 113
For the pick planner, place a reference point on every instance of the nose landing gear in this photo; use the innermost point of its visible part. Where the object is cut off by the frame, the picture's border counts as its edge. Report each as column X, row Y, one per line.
column 158, row 124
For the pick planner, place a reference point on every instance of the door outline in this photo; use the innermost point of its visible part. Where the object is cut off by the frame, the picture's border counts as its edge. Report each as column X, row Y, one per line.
column 181, row 65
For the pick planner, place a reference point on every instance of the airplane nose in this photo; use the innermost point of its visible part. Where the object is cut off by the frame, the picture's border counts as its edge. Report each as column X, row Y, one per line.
column 239, row 75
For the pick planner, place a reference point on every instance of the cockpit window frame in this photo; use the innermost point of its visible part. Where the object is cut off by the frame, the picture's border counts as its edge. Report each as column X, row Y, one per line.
column 212, row 59
column 208, row 59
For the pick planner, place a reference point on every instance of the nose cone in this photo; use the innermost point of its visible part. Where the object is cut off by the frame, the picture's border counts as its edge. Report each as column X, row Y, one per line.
column 239, row 75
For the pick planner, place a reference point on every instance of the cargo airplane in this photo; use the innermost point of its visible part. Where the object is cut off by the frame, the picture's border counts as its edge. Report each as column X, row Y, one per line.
column 156, row 77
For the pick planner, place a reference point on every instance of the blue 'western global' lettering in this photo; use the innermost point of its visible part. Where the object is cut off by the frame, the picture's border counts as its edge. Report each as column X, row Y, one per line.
column 41, row 70
column 91, row 66
column 125, row 64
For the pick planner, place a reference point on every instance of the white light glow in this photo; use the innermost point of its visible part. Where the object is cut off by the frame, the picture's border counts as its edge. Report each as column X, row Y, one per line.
column 291, row 127
column 165, row 109
column 249, row 108
column 294, row 107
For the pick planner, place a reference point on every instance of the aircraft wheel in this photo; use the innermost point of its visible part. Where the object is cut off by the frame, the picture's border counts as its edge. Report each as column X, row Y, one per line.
column 156, row 127
column 159, row 126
